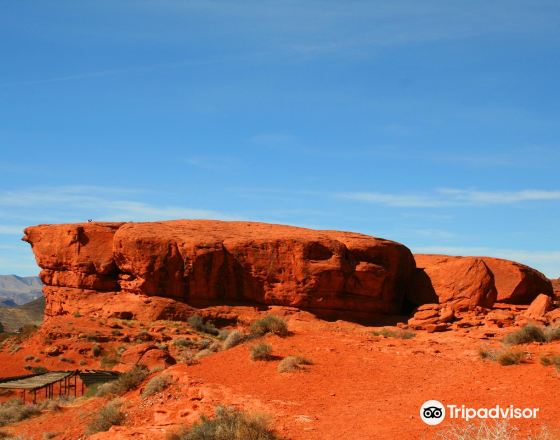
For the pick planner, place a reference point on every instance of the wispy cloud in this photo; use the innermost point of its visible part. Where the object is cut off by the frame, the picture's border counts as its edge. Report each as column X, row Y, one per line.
column 78, row 203
column 451, row 197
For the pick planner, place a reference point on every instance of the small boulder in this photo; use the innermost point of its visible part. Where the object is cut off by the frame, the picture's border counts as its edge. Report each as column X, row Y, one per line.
column 538, row 308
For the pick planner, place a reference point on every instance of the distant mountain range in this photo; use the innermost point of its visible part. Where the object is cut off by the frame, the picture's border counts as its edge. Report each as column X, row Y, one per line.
column 13, row 318
column 16, row 290
column 21, row 302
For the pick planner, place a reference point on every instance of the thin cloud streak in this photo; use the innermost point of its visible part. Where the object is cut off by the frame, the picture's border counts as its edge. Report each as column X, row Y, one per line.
column 451, row 197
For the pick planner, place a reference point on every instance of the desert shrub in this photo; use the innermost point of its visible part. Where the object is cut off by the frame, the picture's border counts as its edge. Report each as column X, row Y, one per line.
column 292, row 363
column 49, row 435
column 15, row 410
column 529, row 333
column 39, row 370
column 261, row 352
column 508, row 357
column 29, row 357
column 230, row 424
column 270, row 324
column 126, row 381
column 499, row 430
column 184, row 343
column 233, row 338
column 552, row 334
column 108, row 416
column 399, row 333
column 223, row 334
column 67, row 360
column 548, row 360
column 157, row 384
column 198, row 324
column 487, row 354
column 96, row 350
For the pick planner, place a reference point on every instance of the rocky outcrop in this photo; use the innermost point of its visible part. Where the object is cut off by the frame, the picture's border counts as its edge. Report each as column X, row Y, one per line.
column 203, row 262
column 517, row 283
column 460, row 282
column 467, row 282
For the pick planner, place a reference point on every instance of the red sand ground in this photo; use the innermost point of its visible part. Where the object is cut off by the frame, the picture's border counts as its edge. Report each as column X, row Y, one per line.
column 360, row 386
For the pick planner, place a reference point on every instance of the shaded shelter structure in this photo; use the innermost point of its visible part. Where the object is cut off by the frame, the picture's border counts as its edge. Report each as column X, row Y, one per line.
column 65, row 382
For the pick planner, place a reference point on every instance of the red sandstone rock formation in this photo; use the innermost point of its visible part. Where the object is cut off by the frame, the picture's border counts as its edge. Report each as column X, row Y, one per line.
column 466, row 282
column 211, row 262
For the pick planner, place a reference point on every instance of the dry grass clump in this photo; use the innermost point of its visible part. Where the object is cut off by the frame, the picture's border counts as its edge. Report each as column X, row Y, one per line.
column 548, row 360
column 198, row 324
column 270, row 324
column 261, row 352
column 108, row 416
column 292, row 363
column 15, row 410
column 503, row 357
column 496, row 430
column 533, row 333
column 126, row 381
column 399, row 333
column 157, row 384
column 228, row 424
column 233, row 338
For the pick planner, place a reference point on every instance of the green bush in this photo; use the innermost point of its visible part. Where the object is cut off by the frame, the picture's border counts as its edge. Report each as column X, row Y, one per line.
column 292, row 363
column 548, row 360
column 270, row 324
column 529, row 333
column 230, row 424
column 157, row 384
column 126, row 381
column 108, row 416
column 261, row 352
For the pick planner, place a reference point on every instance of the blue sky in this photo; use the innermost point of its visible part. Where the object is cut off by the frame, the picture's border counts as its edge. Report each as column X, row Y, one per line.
column 433, row 123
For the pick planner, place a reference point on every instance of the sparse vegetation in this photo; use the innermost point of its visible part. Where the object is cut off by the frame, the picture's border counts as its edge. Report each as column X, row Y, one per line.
column 108, row 416
column 15, row 410
column 398, row 333
column 126, row 381
column 529, row 333
column 67, row 360
column 184, row 343
column 292, row 363
column 198, row 324
column 509, row 357
column 533, row 333
column 39, row 370
column 270, row 324
column 233, row 338
column 261, row 352
column 157, row 384
column 496, row 430
column 503, row 357
column 229, row 424
column 96, row 350
column 548, row 360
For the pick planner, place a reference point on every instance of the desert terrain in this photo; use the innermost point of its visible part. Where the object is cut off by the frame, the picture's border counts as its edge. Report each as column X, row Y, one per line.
column 314, row 334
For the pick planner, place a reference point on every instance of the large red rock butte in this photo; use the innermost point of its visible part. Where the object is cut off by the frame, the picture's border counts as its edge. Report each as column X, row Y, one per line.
column 205, row 262
column 466, row 282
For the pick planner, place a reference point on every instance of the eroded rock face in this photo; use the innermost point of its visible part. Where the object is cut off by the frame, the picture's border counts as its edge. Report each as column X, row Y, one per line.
column 517, row 283
column 466, row 282
column 461, row 282
column 214, row 262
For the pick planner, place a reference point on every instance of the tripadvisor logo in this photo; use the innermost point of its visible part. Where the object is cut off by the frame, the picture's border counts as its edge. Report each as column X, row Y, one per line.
column 433, row 412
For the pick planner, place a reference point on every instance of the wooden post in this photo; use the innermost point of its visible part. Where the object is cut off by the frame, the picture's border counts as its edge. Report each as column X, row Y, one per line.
column 24, row 396
column 35, row 396
column 75, row 386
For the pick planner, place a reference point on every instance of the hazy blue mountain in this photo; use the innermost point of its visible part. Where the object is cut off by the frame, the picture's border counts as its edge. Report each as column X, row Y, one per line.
column 20, row 290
